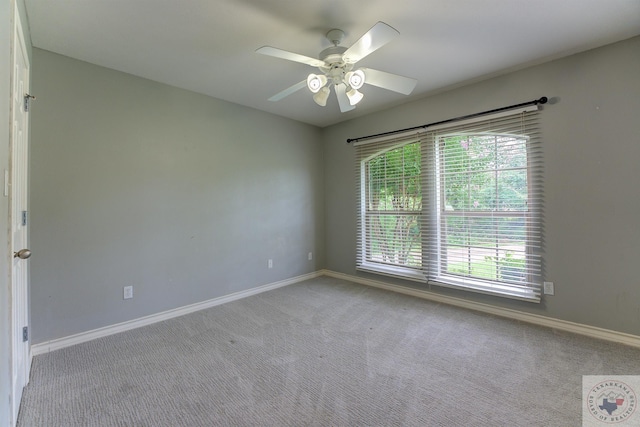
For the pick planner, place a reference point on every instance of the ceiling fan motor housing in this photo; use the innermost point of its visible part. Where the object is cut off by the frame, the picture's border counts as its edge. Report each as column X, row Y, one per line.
column 335, row 67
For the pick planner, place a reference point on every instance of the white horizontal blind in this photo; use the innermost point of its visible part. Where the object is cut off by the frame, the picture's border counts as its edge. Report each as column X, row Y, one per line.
column 390, row 207
column 484, row 223
column 458, row 205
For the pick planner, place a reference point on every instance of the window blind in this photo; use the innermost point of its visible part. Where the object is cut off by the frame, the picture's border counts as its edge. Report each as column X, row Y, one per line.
column 484, row 224
column 390, row 206
column 457, row 205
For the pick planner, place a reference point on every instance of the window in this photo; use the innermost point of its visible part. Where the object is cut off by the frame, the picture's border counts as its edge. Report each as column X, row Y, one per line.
column 456, row 206
column 391, row 209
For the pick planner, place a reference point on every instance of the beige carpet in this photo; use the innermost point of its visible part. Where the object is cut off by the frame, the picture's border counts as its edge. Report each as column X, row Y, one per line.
column 323, row 352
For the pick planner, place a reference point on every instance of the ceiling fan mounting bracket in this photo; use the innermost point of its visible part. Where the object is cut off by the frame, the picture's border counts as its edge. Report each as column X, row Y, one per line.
column 335, row 36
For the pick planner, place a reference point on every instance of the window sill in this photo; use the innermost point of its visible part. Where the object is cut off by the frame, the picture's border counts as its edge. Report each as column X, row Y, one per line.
column 393, row 271
column 479, row 286
column 469, row 285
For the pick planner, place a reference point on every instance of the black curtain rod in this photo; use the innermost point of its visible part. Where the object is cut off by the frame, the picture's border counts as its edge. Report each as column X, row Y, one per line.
column 542, row 100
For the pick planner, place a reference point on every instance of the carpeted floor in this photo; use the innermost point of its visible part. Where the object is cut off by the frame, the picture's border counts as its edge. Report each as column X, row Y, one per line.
column 323, row 352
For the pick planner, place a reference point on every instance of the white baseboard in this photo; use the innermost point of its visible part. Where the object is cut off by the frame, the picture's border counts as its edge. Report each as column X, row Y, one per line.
column 59, row 343
column 562, row 325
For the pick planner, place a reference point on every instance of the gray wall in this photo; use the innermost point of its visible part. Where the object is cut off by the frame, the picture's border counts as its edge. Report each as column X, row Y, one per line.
column 592, row 173
column 183, row 196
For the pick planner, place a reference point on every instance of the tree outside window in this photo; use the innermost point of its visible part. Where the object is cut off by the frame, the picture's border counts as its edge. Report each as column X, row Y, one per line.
column 393, row 206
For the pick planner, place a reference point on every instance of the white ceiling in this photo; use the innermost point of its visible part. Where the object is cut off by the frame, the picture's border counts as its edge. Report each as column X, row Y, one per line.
column 208, row 46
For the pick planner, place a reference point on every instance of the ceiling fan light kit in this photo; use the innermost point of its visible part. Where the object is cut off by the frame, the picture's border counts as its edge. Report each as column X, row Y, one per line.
column 355, row 79
column 316, row 82
column 336, row 64
column 321, row 97
column 354, row 96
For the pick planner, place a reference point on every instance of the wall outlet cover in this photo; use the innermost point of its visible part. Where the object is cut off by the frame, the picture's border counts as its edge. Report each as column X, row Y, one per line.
column 549, row 288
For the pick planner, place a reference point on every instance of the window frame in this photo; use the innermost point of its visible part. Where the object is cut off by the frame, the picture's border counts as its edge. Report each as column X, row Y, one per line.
column 474, row 283
column 516, row 122
column 366, row 263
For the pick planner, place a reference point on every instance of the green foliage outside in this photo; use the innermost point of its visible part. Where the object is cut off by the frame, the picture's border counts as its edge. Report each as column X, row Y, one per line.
column 483, row 179
column 395, row 193
column 504, row 268
column 484, row 173
column 479, row 175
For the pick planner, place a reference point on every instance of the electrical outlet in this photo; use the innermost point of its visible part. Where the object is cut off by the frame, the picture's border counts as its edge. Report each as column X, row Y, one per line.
column 127, row 292
column 548, row 288
column 270, row 263
column 310, row 256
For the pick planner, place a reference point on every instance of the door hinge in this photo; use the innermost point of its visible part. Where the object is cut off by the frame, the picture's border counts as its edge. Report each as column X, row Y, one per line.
column 25, row 334
column 27, row 101
column 24, row 218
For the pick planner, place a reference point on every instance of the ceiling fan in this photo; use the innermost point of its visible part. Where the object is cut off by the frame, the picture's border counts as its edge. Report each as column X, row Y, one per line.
column 336, row 64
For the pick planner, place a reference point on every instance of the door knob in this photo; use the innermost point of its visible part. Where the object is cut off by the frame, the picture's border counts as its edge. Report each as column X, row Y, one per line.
column 22, row 254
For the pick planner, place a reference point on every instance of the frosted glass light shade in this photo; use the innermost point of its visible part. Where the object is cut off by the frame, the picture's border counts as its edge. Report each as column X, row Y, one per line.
column 321, row 97
column 354, row 96
column 315, row 82
column 355, row 79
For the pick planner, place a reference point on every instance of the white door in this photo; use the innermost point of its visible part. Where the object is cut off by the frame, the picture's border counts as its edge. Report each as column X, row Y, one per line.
column 20, row 353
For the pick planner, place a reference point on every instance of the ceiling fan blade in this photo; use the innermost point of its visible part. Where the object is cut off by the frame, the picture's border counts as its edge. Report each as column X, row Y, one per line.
column 394, row 82
column 295, row 57
column 379, row 35
column 288, row 91
column 343, row 99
